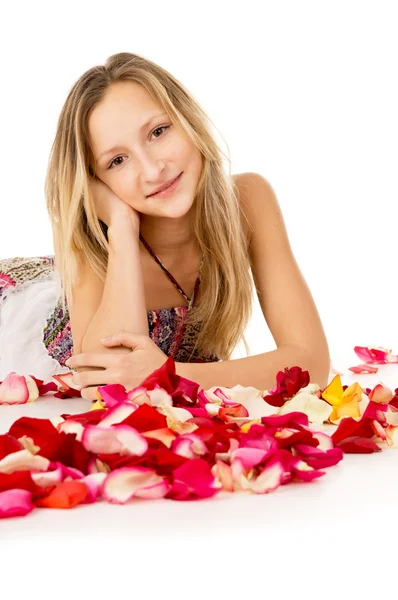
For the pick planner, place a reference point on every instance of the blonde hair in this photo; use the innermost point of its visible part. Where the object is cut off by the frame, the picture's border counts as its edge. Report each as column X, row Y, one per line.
column 226, row 283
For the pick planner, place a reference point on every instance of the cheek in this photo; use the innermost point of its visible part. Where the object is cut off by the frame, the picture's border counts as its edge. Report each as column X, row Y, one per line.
column 124, row 185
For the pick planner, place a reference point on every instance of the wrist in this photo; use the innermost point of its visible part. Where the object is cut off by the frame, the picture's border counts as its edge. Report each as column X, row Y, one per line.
column 121, row 223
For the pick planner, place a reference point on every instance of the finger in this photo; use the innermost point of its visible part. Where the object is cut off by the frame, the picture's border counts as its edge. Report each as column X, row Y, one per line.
column 88, row 378
column 125, row 338
column 89, row 393
column 92, row 359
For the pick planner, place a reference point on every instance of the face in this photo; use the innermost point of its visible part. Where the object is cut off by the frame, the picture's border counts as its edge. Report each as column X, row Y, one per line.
column 137, row 148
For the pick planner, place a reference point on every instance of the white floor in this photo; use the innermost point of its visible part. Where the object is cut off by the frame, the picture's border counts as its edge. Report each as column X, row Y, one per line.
column 330, row 527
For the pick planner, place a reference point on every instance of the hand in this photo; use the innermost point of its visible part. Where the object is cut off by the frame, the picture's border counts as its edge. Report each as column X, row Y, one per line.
column 109, row 206
column 128, row 369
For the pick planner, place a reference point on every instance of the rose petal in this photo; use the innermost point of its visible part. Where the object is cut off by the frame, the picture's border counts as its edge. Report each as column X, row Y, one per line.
column 112, row 394
column 325, row 441
column 23, row 461
column 317, row 410
column 48, row 478
column 94, row 483
column 145, row 418
column 193, row 480
column 97, row 466
column 358, row 445
column 38, row 430
column 223, row 474
column 269, row 479
column 66, row 494
column 304, row 472
column 14, row 389
column 319, row 459
column 9, row 444
column 392, row 435
column 363, row 369
column 117, row 414
column 15, row 503
column 118, row 439
column 165, row 435
column 250, row 457
column 123, row 484
column 72, row 426
column 375, row 354
column 233, row 410
column 20, row 480
column 92, row 417
column 189, row 445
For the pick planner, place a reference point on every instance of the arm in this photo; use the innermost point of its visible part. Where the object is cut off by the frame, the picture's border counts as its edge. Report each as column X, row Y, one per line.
column 258, row 371
column 123, row 303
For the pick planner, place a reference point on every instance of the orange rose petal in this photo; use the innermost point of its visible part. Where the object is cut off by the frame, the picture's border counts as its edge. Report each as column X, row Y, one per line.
column 65, row 495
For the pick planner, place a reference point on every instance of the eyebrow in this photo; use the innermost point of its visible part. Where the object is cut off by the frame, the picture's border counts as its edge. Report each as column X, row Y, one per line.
column 116, row 148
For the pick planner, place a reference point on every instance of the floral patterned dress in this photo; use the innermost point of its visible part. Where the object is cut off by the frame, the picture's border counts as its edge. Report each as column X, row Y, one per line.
column 35, row 333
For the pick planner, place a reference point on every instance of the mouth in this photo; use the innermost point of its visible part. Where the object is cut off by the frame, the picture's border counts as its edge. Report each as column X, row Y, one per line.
column 167, row 191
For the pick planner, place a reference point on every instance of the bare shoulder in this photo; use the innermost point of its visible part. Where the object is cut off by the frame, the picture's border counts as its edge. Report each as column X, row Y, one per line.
column 254, row 191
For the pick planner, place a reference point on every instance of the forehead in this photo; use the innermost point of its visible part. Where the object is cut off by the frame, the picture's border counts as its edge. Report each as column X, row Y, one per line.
column 126, row 100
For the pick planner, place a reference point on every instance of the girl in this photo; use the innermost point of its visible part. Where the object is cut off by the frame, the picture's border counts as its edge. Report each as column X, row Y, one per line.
column 154, row 242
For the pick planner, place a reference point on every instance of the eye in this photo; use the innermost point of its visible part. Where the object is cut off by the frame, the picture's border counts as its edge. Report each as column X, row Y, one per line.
column 113, row 162
column 161, row 128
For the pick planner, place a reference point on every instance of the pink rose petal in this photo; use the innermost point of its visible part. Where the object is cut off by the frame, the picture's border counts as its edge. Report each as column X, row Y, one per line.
column 363, row 369
column 118, row 439
column 15, row 503
column 14, row 390
column 189, row 445
column 325, row 441
column 193, row 480
column 375, row 354
column 249, row 457
column 270, row 478
column 123, row 484
column 112, row 394
column 94, row 483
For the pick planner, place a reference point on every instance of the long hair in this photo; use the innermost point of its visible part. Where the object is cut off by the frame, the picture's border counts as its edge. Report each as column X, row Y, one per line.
column 225, row 307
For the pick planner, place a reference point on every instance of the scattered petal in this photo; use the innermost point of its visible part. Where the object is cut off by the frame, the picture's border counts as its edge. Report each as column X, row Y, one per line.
column 14, row 390
column 66, row 494
column 123, row 484
column 23, row 461
column 118, row 439
column 15, row 503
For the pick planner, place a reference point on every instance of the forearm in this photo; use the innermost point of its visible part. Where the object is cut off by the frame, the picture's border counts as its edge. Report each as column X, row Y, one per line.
column 258, row 371
column 123, row 305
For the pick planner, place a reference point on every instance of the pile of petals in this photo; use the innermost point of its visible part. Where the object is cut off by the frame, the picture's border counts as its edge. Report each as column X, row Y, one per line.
column 169, row 439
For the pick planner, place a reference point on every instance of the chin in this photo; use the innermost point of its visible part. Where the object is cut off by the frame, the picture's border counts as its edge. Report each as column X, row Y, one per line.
column 174, row 210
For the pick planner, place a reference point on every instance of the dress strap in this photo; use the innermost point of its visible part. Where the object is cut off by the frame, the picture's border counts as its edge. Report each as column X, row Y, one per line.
column 170, row 276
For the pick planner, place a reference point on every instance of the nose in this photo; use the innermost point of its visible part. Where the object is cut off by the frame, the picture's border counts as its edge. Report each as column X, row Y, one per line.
column 151, row 167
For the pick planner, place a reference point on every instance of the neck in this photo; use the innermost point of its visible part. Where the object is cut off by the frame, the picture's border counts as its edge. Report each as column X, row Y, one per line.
column 167, row 236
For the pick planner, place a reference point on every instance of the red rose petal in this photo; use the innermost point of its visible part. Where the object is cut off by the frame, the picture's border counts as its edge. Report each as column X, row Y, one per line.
column 39, row 430
column 9, row 444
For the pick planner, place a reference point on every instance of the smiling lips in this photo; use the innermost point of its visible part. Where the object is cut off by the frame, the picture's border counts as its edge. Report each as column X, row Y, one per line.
column 165, row 186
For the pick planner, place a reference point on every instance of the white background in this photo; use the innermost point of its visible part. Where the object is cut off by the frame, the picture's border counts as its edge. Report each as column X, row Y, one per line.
column 304, row 93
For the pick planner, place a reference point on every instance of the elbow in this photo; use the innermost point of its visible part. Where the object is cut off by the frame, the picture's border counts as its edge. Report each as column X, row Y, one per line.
column 320, row 370
column 317, row 365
